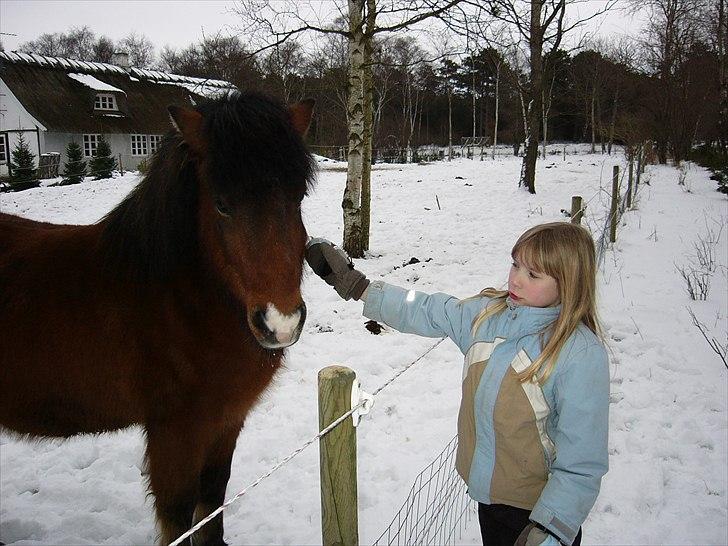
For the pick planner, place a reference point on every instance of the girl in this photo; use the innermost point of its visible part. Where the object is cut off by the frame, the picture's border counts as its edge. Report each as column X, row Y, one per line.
column 532, row 427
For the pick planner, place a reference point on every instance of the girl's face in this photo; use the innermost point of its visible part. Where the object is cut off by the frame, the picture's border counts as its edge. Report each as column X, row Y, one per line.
column 531, row 288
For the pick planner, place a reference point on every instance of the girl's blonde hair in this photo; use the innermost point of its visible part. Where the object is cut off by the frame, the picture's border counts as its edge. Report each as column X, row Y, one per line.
column 565, row 252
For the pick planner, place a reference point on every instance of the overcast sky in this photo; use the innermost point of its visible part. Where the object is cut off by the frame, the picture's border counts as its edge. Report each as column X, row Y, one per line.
column 177, row 23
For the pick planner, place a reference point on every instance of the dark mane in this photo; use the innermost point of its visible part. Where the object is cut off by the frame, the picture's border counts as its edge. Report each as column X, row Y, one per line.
column 153, row 231
column 252, row 150
column 253, row 147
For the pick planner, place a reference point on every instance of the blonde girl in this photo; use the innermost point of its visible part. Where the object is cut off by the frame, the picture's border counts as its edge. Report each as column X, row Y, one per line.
column 533, row 420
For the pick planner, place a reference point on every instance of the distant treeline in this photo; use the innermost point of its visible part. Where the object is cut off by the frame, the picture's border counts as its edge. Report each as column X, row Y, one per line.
column 608, row 93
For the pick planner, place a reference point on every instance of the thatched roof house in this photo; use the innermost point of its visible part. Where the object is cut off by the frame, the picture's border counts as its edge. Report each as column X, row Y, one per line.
column 52, row 101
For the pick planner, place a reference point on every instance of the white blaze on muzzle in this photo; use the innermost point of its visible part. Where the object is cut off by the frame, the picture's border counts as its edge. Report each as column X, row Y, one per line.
column 285, row 328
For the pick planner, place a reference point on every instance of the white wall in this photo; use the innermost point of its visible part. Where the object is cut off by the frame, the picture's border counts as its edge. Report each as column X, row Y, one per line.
column 16, row 120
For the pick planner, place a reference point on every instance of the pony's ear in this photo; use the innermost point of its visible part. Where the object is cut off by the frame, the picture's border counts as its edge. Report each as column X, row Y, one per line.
column 301, row 113
column 189, row 124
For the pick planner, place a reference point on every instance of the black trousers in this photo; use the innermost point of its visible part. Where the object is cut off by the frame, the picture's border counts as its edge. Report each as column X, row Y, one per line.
column 501, row 524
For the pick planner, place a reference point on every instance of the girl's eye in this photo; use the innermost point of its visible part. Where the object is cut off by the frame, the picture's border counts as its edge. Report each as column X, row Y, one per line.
column 532, row 275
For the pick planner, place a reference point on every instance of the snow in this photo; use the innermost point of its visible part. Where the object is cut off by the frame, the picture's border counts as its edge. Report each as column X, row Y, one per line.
column 207, row 91
column 669, row 423
column 93, row 83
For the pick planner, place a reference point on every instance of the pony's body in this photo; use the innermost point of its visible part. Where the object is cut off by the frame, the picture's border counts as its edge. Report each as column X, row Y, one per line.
column 157, row 315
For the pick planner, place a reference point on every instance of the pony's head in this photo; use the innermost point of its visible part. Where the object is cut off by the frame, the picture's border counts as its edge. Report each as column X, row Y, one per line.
column 253, row 171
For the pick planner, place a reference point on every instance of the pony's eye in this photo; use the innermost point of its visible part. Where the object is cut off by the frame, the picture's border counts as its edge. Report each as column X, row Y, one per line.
column 222, row 208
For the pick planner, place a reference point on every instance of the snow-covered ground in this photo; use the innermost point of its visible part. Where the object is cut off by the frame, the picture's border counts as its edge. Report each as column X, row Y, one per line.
column 669, row 426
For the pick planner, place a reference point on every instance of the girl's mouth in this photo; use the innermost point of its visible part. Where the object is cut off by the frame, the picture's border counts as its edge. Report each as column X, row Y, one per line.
column 513, row 296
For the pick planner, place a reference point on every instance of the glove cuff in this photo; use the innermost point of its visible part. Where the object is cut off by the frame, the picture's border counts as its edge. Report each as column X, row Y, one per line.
column 358, row 289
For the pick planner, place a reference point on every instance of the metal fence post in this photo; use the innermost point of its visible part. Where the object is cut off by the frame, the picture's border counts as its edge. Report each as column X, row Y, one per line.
column 337, row 451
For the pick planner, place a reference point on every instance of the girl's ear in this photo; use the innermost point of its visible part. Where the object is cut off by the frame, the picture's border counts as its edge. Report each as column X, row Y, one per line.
column 188, row 123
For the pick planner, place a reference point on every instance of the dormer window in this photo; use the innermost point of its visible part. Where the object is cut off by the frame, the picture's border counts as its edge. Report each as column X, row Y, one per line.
column 105, row 101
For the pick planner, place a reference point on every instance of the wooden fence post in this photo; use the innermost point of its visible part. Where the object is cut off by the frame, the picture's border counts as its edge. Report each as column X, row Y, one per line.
column 337, row 451
column 615, row 201
column 640, row 160
column 630, row 178
column 576, row 210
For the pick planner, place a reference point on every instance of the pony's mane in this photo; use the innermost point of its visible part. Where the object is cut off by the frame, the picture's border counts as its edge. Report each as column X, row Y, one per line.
column 252, row 150
column 253, row 147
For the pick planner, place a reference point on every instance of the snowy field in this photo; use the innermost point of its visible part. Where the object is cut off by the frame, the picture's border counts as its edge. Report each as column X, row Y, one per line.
column 669, row 426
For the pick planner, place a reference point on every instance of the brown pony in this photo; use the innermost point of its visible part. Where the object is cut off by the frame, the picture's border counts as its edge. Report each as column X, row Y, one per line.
column 171, row 312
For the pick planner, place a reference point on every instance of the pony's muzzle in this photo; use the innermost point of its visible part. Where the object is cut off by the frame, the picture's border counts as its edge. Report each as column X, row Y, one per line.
column 276, row 330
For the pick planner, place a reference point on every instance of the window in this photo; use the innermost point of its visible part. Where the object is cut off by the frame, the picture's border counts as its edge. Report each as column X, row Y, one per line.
column 154, row 141
column 105, row 101
column 3, row 151
column 90, row 143
column 139, row 145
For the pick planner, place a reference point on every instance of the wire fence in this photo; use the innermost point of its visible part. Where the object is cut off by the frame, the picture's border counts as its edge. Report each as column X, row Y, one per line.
column 470, row 149
column 437, row 508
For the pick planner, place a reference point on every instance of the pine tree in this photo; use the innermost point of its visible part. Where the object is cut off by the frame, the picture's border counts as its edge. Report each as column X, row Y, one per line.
column 722, row 177
column 75, row 167
column 22, row 165
column 102, row 163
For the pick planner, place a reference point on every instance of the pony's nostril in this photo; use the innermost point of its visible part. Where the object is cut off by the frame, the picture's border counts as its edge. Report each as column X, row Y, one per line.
column 302, row 309
column 259, row 322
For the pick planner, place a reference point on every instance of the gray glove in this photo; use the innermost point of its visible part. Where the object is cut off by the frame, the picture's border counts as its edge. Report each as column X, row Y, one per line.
column 335, row 268
column 535, row 535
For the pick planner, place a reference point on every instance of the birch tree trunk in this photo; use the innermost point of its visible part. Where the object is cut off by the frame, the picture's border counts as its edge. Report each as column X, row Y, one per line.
column 613, row 122
column 474, row 113
column 593, row 122
column 497, row 103
column 723, row 77
column 366, row 197
column 351, row 202
column 535, row 90
column 449, row 123
column 547, row 101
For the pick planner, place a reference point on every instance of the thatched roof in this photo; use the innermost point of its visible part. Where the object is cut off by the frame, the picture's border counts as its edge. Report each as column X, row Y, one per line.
column 52, row 91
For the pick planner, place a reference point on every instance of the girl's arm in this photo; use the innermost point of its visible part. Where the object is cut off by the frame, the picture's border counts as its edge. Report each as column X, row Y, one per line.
column 580, row 438
column 430, row 315
column 413, row 312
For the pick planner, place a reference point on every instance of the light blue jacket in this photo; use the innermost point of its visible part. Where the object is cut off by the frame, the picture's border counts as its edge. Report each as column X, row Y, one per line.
column 541, row 448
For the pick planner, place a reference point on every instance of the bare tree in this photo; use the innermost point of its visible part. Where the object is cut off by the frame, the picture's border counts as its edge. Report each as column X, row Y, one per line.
column 139, row 48
column 48, row 44
column 673, row 28
column 103, row 49
column 541, row 25
column 78, row 43
column 216, row 57
column 722, row 48
column 282, row 65
column 274, row 23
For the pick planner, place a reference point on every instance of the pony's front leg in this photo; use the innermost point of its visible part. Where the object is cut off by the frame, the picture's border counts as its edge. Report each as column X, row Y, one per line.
column 175, row 457
column 213, row 483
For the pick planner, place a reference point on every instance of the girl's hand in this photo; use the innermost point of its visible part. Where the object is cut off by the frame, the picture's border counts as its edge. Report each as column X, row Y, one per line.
column 534, row 536
column 335, row 268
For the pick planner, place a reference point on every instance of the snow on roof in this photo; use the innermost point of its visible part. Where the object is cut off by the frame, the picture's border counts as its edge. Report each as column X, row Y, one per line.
column 93, row 83
column 201, row 86
column 204, row 90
